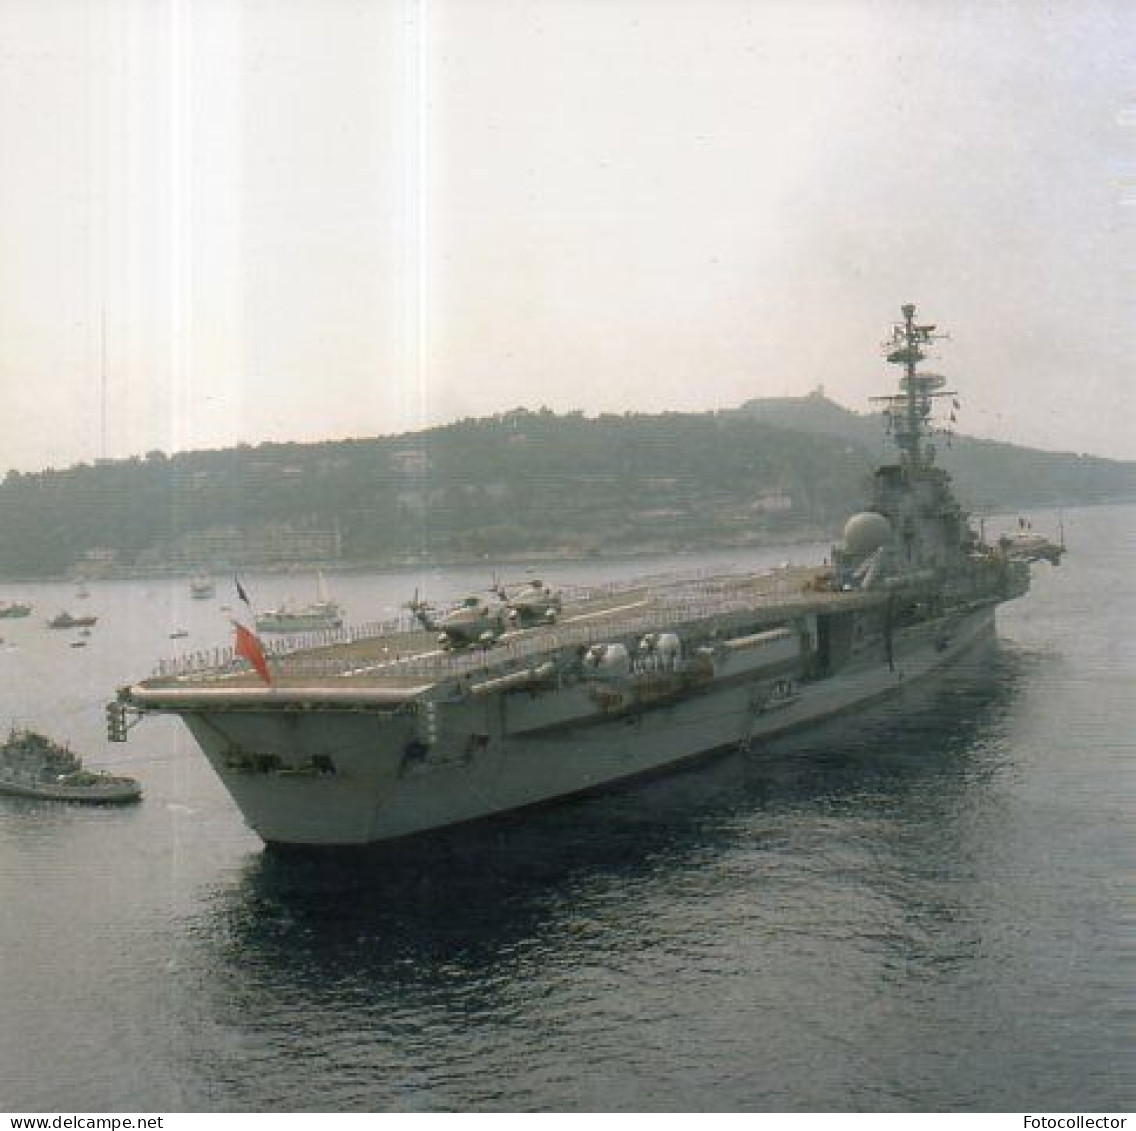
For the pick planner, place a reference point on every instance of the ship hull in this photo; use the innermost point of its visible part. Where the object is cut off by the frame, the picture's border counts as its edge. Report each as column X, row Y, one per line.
column 322, row 777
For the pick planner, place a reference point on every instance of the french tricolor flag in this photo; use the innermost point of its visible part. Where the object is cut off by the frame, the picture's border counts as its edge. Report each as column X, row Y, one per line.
column 248, row 643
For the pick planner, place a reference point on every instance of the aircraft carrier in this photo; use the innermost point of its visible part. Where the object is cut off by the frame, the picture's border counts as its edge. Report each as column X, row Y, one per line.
column 489, row 708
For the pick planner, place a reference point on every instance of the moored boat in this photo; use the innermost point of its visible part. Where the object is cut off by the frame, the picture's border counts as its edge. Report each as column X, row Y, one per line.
column 33, row 765
column 376, row 738
column 65, row 619
column 322, row 613
column 290, row 617
column 202, row 588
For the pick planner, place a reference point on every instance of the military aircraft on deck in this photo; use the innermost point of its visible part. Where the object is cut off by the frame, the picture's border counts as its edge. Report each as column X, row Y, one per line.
column 530, row 602
column 471, row 622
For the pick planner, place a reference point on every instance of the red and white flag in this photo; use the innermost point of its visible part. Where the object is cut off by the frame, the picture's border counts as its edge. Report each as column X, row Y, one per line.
column 248, row 643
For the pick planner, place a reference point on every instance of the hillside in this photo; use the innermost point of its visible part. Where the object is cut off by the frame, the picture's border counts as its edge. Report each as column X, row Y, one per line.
column 988, row 474
column 519, row 483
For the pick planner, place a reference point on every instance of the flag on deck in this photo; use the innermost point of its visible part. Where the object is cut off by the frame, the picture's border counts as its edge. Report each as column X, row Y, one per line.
column 249, row 646
column 248, row 643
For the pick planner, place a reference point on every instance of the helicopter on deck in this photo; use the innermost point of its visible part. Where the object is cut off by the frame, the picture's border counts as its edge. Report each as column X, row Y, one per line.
column 472, row 622
column 1024, row 545
column 529, row 603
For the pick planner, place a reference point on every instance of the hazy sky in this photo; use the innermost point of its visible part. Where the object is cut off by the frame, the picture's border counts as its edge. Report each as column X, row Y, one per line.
column 303, row 219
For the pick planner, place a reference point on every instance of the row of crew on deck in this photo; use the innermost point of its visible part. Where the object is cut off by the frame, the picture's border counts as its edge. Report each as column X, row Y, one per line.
column 656, row 651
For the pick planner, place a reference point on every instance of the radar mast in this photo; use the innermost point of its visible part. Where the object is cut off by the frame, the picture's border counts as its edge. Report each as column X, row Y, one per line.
column 908, row 412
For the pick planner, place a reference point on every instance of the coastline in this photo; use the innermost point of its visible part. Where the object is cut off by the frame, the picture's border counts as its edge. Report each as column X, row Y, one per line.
column 659, row 547
column 656, row 548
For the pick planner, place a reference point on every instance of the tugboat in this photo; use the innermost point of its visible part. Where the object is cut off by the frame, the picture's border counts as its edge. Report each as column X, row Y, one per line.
column 33, row 765
column 402, row 733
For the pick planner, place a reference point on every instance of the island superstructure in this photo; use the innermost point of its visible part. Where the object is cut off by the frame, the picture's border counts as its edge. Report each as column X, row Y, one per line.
column 366, row 739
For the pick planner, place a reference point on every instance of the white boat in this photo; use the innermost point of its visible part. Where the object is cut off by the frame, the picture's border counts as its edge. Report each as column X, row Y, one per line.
column 300, row 618
column 402, row 734
column 322, row 613
column 202, row 588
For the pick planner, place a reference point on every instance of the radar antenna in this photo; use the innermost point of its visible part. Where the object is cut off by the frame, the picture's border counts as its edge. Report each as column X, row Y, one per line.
column 908, row 412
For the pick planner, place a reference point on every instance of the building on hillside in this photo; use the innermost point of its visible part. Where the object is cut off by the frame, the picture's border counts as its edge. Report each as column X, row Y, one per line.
column 268, row 546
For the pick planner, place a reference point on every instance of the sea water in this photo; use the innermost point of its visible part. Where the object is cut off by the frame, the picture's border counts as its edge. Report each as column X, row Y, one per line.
column 924, row 907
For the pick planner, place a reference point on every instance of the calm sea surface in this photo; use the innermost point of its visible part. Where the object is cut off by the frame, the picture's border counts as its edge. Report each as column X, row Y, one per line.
column 925, row 908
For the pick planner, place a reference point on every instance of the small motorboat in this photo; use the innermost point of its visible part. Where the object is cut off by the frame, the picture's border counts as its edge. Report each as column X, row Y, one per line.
column 66, row 620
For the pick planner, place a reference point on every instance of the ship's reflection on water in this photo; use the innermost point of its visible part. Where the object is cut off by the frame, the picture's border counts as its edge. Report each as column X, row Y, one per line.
column 741, row 876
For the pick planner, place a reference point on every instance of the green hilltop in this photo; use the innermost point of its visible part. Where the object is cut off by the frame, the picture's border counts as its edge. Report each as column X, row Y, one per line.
column 519, row 483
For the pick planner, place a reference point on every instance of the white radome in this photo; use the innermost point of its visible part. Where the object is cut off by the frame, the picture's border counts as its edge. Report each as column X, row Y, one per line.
column 866, row 532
